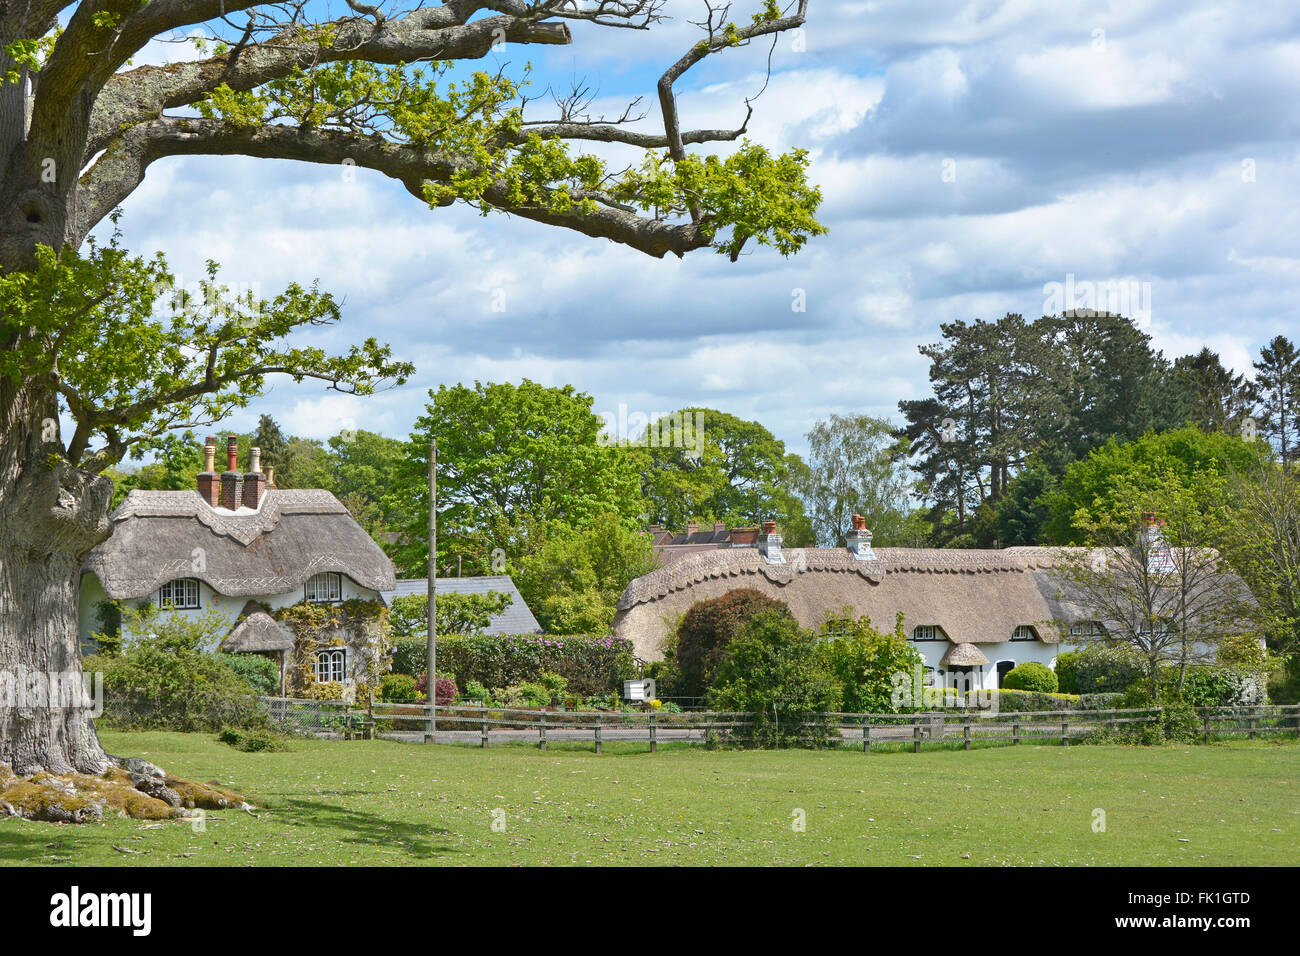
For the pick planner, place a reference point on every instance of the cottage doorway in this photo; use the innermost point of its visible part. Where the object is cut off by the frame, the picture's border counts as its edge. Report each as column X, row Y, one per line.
column 1004, row 668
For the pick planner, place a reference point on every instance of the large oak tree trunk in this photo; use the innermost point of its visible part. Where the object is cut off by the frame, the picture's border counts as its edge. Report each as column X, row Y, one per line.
column 51, row 515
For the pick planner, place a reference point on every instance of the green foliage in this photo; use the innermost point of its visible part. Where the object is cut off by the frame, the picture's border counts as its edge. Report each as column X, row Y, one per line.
column 509, row 457
column 457, row 613
column 572, row 579
column 143, row 355
column 728, row 470
column 1100, row 489
column 262, row 673
column 527, row 694
column 258, row 740
column 865, row 662
column 590, row 665
column 777, row 671
column 704, row 636
column 857, row 466
column 1011, row 701
column 1101, row 668
column 399, row 688
column 1031, row 676
column 1179, row 722
column 169, row 680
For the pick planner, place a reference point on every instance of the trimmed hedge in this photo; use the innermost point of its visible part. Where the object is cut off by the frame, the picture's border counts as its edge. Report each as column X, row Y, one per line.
column 591, row 665
column 1024, row 701
column 1030, row 676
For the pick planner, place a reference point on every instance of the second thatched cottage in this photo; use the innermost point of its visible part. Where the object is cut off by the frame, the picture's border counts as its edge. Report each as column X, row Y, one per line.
column 240, row 548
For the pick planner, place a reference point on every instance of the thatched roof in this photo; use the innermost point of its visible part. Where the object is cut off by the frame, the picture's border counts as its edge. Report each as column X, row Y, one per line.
column 976, row 597
column 157, row 537
column 963, row 655
column 256, row 630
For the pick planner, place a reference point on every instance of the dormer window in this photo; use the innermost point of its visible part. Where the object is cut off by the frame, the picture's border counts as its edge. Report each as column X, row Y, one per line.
column 326, row 588
column 1024, row 633
column 928, row 632
column 179, row 595
column 1086, row 630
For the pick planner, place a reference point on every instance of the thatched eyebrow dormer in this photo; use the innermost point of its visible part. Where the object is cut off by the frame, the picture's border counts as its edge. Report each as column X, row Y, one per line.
column 162, row 535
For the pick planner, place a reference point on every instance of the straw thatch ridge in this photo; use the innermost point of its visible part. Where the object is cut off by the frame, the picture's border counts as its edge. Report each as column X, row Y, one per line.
column 162, row 535
column 256, row 630
column 974, row 596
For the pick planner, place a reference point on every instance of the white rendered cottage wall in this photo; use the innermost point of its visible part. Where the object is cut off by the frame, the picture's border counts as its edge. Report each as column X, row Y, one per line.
column 986, row 678
column 92, row 592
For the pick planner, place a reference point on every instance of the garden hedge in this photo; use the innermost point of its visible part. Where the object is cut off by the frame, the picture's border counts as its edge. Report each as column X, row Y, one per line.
column 591, row 665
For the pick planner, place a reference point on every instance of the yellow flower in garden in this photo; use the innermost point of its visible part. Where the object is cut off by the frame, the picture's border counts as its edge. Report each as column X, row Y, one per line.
column 656, row 703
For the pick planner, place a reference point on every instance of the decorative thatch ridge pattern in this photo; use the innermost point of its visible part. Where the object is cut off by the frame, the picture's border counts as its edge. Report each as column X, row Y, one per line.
column 963, row 655
column 162, row 535
column 256, row 630
column 975, row 597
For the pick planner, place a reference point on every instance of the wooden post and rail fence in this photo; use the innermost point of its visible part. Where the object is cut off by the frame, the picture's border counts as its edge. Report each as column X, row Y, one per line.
column 963, row 729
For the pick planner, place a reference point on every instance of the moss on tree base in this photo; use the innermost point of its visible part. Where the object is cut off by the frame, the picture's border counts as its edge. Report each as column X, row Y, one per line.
column 118, row 792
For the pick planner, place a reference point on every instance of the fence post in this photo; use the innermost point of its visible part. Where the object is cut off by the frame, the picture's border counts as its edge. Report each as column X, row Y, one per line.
column 916, row 735
column 1297, row 720
column 965, row 731
column 598, row 733
column 1207, row 725
column 1065, row 731
column 483, row 717
column 653, row 742
column 866, row 736
column 541, row 743
column 1015, row 732
column 1254, row 712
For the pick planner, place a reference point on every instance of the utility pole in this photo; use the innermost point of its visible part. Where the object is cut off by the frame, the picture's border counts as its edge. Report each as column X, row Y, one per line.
column 432, row 685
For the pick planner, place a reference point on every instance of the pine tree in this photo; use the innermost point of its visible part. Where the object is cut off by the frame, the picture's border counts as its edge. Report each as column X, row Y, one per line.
column 1277, row 388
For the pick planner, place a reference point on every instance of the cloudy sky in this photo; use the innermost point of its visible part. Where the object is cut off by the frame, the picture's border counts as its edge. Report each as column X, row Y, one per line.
column 970, row 154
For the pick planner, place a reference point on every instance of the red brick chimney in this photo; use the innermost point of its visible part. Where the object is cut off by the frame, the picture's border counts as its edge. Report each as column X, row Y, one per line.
column 209, row 480
column 692, row 526
column 254, row 481
column 743, row 537
column 231, row 480
column 719, row 527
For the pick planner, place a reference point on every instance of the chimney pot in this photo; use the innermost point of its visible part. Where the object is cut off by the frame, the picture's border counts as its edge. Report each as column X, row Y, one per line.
column 719, row 526
column 209, row 484
column 769, row 527
column 692, row 526
column 254, row 482
column 232, row 482
column 270, row 476
column 232, row 453
column 859, row 523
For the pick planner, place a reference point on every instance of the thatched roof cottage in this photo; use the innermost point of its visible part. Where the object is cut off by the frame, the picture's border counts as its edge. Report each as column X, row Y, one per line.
column 973, row 614
column 241, row 548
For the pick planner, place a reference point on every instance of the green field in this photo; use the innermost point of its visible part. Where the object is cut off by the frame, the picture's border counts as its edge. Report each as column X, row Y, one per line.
column 380, row 802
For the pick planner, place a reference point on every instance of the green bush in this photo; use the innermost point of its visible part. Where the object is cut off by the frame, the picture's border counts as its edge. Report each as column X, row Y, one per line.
column 591, row 665
column 705, row 634
column 1031, row 676
column 1100, row 701
column 865, row 662
column 397, row 688
column 262, row 673
column 777, row 671
column 168, row 681
column 1023, row 701
column 252, row 741
column 1067, row 672
column 1103, row 669
column 527, row 694
column 1179, row 723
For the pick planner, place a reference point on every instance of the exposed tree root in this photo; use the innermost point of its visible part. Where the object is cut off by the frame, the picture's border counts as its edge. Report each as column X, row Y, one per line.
column 131, row 788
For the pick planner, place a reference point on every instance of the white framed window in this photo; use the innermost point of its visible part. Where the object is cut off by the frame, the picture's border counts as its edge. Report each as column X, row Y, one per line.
column 928, row 632
column 324, row 588
column 330, row 665
column 838, row 627
column 1086, row 629
column 181, row 594
column 1024, row 633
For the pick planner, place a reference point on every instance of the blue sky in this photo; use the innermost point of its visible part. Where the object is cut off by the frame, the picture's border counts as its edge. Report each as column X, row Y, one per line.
column 969, row 155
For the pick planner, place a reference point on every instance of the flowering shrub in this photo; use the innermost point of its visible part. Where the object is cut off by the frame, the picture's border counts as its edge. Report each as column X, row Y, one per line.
column 445, row 688
column 590, row 665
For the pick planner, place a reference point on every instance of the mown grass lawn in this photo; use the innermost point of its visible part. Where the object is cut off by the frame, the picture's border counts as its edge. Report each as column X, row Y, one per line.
column 381, row 802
